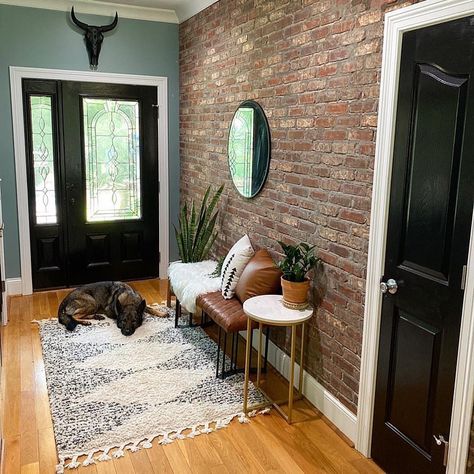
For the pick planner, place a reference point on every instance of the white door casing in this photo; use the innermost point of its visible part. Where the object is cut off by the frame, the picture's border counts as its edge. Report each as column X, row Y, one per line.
column 4, row 296
column 17, row 74
column 427, row 13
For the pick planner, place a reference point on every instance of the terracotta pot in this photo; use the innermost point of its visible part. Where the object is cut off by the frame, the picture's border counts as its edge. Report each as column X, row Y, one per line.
column 295, row 294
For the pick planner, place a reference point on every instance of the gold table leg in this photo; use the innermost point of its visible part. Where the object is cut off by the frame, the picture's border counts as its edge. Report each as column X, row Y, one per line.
column 247, row 363
column 300, row 385
column 259, row 360
column 292, row 372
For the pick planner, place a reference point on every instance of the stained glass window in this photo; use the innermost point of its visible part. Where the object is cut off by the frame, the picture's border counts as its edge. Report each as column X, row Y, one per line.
column 112, row 159
column 240, row 149
column 43, row 159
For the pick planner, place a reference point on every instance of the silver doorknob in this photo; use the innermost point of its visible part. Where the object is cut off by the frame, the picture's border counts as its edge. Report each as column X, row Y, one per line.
column 390, row 286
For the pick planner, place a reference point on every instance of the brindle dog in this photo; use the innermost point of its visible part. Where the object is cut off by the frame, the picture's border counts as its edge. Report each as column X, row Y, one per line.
column 113, row 299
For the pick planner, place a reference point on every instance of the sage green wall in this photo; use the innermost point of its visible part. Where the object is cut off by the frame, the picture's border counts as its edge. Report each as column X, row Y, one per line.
column 44, row 38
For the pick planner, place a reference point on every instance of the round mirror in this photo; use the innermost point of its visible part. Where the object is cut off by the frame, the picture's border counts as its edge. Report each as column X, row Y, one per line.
column 248, row 148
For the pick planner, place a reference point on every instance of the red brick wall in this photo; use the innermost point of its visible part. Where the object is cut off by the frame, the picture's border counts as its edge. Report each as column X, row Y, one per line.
column 314, row 66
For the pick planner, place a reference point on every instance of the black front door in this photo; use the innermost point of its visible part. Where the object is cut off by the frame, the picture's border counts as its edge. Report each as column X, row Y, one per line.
column 430, row 214
column 93, row 182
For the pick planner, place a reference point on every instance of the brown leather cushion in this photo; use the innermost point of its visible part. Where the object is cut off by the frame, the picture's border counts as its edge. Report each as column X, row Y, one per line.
column 226, row 313
column 260, row 277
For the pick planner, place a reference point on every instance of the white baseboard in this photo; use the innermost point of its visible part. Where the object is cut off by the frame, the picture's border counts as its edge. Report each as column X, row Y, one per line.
column 319, row 396
column 13, row 286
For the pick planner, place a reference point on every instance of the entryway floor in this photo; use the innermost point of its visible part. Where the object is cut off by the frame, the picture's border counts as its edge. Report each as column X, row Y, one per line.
column 266, row 444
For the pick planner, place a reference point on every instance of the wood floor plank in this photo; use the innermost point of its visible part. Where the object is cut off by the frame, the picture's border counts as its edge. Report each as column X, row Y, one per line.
column 141, row 462
column 123, row 465
column 177, row 460
column 32, row 468
column 47, row 450
column 158, row 460
column 267, row 444
column 12, row 455
column 105, row 467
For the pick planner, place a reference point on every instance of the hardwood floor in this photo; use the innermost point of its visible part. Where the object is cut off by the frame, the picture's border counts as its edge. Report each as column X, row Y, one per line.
column 266, row 444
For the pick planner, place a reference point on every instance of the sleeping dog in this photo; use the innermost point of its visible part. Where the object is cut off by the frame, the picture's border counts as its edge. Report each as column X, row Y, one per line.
column 113, row 299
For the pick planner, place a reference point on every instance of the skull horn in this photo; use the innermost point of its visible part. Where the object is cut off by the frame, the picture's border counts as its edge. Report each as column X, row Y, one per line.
column 110, row 27
column 77, row 22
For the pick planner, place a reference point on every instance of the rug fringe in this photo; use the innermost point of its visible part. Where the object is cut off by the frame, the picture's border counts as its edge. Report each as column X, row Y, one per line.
column 39, row 322
column 146, row 441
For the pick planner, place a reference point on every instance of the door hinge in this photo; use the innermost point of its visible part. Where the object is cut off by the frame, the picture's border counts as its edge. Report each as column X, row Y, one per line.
column 441, row 440
column 159, row 257
column 463, row 277
column 3, row 286
column 157, row 107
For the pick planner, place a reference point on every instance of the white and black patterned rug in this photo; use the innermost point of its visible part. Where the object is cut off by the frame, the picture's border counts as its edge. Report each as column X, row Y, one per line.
column 109, row 392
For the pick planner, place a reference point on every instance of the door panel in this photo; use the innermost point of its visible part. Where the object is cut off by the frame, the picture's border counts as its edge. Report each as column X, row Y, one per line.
column 413, row 384
column 434, row 166
column 110, row 143
column 430, row 212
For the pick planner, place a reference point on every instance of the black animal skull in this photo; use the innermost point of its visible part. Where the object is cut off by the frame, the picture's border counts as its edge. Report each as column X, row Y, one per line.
column 93, row 36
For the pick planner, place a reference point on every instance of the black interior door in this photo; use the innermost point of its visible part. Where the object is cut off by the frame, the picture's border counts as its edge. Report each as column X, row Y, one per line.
column 93, row 152
column 427, row 245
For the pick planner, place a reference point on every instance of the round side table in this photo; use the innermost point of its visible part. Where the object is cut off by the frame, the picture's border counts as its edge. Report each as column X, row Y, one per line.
column 269, row 310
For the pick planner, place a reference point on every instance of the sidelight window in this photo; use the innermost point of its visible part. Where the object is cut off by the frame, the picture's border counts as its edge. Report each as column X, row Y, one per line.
column 42, row 138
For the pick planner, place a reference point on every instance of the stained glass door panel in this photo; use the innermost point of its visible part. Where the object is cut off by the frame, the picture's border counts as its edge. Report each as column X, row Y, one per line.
column 112, row 159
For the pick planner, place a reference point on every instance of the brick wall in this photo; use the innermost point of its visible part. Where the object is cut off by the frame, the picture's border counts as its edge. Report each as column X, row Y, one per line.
column 314, row 66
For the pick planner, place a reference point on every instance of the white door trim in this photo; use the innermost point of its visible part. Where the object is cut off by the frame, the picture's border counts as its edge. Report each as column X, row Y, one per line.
column 417, row 16
column 17, row 74
column 4, row 293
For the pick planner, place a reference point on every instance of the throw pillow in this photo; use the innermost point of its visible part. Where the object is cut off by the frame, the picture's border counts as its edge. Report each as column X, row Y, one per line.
column 234, row 265
column 260, row 277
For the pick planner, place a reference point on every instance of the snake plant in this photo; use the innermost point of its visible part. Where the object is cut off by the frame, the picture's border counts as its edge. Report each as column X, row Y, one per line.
column 196, row 234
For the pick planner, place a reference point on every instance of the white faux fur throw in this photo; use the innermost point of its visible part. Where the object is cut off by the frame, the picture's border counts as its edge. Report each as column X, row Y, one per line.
column 190, row 280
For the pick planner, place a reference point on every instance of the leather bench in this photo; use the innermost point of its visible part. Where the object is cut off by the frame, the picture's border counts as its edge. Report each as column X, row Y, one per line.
column 260, row 276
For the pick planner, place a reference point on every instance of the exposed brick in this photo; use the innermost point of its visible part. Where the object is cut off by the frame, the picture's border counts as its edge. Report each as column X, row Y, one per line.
column 314, row 66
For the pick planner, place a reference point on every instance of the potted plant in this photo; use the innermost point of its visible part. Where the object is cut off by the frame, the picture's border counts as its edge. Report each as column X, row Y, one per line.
column 298, row 261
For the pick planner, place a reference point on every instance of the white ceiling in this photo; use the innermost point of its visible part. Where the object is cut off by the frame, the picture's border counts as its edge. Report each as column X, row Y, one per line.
column 170, row 11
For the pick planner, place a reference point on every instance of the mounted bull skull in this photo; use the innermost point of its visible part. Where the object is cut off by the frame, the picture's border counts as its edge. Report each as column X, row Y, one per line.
column 93, row 36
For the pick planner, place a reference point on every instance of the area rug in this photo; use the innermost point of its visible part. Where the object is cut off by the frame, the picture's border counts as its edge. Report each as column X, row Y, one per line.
column 109, row 392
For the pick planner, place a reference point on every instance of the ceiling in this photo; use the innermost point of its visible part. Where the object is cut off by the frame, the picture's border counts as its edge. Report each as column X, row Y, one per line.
column 170, row 11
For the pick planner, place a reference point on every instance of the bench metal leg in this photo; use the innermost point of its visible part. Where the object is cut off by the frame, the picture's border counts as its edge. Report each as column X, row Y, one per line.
column 177, row 313
column 218, row 350
column 223, row 355
column 234, row 352
column 168, row 295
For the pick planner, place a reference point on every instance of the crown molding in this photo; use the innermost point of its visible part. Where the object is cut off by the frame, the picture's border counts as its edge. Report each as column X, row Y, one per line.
column 106, row 9
column 191, row 8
